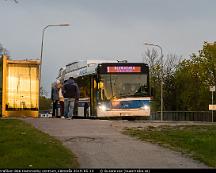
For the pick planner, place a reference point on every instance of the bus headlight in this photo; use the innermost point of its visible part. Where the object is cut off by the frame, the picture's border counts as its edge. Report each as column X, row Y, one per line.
column 102, row 107
column 145, row 107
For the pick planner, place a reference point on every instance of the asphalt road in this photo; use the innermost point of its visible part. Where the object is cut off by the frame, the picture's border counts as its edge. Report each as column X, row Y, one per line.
column 99, row 144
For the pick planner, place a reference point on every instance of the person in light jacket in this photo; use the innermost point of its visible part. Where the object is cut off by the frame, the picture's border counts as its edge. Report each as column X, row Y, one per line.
column 61, row 100
column 55, row 98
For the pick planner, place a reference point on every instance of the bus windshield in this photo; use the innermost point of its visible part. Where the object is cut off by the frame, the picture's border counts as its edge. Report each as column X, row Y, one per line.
column 122, row 85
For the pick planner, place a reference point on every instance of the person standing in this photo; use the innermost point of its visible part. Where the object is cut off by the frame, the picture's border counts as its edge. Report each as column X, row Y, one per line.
column 61, row 100
column 55, row 98
column 71, row 95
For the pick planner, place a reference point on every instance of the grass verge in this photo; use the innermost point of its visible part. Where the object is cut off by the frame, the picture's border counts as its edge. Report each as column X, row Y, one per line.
column 196, row 141
column 23, row 146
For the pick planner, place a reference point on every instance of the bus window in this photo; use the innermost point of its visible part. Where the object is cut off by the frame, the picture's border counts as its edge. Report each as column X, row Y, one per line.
column 84, row 86
column 123, row 85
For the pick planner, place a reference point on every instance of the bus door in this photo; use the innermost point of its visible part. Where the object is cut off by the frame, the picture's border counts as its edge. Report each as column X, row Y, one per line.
column 93, row 98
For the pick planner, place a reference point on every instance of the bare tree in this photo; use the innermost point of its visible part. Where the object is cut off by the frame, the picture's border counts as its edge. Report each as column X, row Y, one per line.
column 170, row 64
column 43, row 92
column 4, row 51
column 151, row 57
column 1, row 48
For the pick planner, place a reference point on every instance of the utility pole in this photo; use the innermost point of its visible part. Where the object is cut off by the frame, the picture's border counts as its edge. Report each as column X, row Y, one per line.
column 212, row 105
column 212, row 89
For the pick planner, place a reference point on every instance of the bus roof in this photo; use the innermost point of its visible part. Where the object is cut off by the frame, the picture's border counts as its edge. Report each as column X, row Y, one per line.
column 84, row 67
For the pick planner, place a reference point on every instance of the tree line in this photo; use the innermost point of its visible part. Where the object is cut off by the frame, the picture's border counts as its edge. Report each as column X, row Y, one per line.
column 186, row 81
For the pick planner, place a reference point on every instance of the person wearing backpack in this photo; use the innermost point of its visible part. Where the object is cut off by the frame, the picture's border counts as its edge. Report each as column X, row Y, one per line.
column 71, row 95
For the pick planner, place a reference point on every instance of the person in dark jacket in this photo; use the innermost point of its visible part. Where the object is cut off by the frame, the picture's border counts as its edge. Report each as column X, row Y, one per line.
column 71, row 95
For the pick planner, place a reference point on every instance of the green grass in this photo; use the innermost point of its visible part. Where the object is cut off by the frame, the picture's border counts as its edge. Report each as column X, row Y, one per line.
column 23, row 146
column 199, row 142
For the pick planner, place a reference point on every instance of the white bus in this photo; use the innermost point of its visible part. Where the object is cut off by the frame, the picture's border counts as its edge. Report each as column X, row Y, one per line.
column 110, row 88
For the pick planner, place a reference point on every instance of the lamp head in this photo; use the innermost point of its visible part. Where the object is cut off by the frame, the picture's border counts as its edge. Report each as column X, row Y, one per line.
column 66, row 24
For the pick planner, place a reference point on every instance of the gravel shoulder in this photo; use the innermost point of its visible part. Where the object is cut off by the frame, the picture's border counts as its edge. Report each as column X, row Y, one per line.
column 100, row 144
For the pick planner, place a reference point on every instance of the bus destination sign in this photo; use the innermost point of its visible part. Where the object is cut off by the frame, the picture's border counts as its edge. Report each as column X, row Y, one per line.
column 123, row 69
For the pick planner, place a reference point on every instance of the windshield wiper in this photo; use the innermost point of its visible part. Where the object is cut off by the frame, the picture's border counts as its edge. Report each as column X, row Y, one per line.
column 141, row 94
column 126, row 95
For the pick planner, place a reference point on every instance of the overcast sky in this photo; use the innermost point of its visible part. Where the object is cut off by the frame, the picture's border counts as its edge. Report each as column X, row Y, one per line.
column 103, row 29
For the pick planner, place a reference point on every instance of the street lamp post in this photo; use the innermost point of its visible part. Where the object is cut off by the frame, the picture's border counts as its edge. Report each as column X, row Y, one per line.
column 42, row 43
column 161, row 58
column 41, row 55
